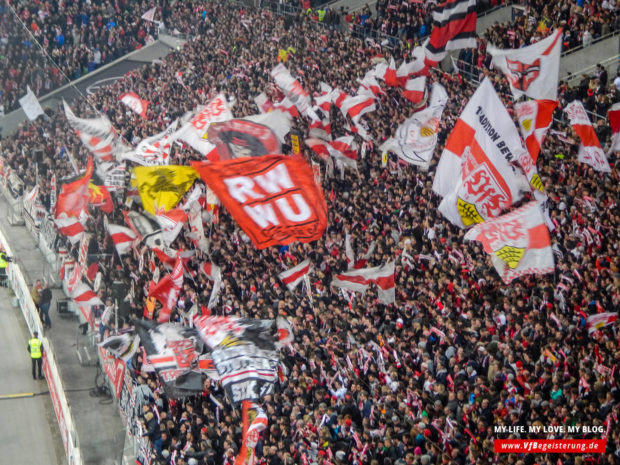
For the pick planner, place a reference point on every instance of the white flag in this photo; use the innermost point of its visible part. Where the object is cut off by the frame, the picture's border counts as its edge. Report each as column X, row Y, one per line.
column 518, row 242
column 415, row 139
column 31, row 105
column 194, row 131
column 359, row 280
column 474, row 174
column 534, row 70
column 150, row 15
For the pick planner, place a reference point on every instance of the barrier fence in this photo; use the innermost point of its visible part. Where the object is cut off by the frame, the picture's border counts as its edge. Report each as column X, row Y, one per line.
column 118, row 376
column 18, row 285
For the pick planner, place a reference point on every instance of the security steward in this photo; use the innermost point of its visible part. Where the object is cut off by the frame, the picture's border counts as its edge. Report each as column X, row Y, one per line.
column 35, row 349
column 4, row 262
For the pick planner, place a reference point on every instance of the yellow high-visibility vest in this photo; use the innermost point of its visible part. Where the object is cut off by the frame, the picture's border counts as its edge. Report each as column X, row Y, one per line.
column 35, row 347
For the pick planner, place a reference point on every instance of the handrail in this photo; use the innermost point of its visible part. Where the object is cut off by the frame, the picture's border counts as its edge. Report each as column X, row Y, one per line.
column 595, row 41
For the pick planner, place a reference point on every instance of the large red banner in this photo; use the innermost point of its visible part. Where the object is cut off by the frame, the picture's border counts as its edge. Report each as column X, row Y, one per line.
column 273, row 198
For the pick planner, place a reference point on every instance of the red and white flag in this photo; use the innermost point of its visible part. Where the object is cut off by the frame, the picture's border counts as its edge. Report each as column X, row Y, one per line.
column 613, row 116
column 214, row 273
column 416, row 67
column 474, row 175
column 600, row 320
column 535, row 117
column 263, row 103
column 590, row 151
column 415, row 140
column 359, row 280
column 97, row 134
column 356, row 106
column 70, row 227
column 167, row 290
column 133, row 101
column 454, row 28
column 150, row 15
column 287, row 106
column 194, row 131
column 122, row 237
column 342, row 150
column 518, row 242
column 369, row 85
column 293, row 90
column 320, row 129
column 324, row 99
column 415, row 89
column 293, row 276
column 83, row 295
column 534, row 70
column 154, row 150
column 387, row 73
column 171, row 223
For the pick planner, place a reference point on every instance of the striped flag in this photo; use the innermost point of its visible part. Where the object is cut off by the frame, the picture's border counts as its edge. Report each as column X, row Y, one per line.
column 70, row 227
column 415, row 89
column 535, row 117
column 600, row 320
column 83, row 295
column 356, row 106
column 590, row 151
column 454, row 27
column 359, row 280
column 293, row 276
column 122, row 237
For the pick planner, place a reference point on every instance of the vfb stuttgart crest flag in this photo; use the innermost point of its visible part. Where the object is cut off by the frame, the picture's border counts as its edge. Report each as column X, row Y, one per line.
column 518, row 242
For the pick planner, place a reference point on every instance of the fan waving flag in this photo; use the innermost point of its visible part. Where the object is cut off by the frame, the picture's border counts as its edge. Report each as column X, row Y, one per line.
column 293, row 90
column 149, row 15
column 167, row 290
column 30, row 105
column 97, row 134
column 73, row 197
column 454, row 27
column 415, row 139
column 154, row 150
column 194, row 131
column 518, row 242
column 273, row 198
column 474, row 174
column 600, row 320
column 244, row 353
column 133, row 101
column 293, row 276
column 534, row 70
column 161, row 187
column 359, row 280
column 535, row 117
column 415, row 89
column 590, row 151
column 122, row 237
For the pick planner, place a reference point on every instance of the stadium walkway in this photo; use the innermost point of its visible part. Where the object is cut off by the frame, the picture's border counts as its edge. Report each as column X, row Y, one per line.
column 24, row 422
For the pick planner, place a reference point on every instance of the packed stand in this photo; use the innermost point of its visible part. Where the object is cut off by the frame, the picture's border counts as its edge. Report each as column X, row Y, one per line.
column 408, row 396
column 78, row 36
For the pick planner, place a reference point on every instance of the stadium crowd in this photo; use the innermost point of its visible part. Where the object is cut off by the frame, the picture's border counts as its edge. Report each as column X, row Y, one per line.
column 78, row 36
column 423, row 381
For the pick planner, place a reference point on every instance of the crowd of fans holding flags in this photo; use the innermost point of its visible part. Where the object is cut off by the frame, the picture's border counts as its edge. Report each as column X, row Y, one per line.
column 414, row 372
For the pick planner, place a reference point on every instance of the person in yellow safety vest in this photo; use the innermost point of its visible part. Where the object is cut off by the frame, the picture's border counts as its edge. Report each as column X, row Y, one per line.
column 4, row 262
column 35, row 349
column 321, row 14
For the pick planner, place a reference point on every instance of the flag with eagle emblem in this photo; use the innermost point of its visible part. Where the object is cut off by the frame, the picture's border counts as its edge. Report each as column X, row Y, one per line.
column 161, row 187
